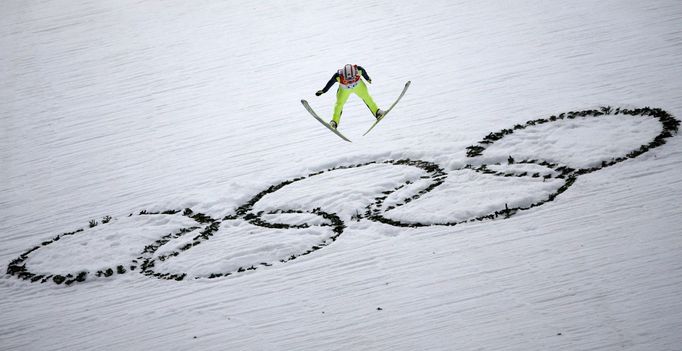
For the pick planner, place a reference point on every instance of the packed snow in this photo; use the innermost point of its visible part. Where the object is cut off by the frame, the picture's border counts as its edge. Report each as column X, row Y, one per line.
column 164, row 189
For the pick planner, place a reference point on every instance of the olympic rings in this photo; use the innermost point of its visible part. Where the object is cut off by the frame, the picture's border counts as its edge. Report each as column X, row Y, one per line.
column 377, row 210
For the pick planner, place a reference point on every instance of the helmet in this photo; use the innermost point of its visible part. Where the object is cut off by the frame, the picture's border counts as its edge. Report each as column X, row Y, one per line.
column 350, row 72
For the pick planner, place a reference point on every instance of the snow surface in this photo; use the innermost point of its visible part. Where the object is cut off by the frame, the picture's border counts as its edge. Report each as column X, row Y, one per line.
column 112, row 108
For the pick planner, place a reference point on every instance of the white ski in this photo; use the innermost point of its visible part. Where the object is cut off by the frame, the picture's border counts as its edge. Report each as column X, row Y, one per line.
column 307, row 107
column 407, row 85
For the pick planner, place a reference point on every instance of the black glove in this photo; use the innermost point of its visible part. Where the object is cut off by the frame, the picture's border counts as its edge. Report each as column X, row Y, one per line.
column 319, row 92
column 369, row 81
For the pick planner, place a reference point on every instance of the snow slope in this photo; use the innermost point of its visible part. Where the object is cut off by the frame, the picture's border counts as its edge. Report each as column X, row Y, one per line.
column 501, row 205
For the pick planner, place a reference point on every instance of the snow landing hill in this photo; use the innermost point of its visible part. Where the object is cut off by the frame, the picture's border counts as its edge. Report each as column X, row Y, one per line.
column 162, row 188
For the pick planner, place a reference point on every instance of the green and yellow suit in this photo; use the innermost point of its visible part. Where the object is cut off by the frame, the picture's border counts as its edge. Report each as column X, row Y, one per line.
column 350, row 83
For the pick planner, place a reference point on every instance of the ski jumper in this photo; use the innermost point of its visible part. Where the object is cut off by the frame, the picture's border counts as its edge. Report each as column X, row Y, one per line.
column 354, row 85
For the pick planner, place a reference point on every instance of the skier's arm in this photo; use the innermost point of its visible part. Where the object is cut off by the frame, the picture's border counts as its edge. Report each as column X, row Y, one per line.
column 329, row 84
column 365, row 75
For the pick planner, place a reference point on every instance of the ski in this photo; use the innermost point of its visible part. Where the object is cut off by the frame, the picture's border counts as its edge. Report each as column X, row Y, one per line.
column 407, row 85
column 307, row 107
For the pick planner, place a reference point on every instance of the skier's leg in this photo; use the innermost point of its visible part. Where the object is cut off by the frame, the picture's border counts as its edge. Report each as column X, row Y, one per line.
column 363, row 93
column 341, row 98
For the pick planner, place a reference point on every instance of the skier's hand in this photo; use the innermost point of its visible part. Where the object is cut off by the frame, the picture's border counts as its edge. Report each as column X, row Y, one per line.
column 319, row 92
column 369, row 81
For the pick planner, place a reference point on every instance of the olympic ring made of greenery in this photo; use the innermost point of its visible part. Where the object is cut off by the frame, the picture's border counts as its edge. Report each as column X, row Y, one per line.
column 145, row 263
column 374, row 212
column 334, row 222
column 668, row 122
column 18, row 266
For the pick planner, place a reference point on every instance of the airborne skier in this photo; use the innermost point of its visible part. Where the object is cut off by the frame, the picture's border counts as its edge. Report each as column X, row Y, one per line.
column 350, row 82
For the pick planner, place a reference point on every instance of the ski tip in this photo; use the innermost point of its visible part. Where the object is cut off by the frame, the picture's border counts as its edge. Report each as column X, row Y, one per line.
column 303, row 101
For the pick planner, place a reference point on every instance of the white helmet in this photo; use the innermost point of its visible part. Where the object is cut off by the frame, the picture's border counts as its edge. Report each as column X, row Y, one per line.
column 349, row 72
